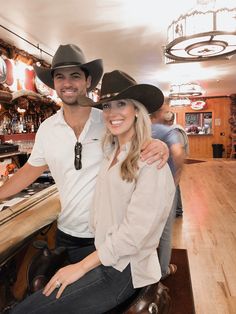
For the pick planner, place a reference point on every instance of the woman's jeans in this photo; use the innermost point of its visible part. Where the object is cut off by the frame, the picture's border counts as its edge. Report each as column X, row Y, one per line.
column 98, row 291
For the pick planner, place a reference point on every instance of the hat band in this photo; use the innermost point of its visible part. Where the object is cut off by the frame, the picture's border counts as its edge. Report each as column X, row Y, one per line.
column 61, row 64
column 109, row 95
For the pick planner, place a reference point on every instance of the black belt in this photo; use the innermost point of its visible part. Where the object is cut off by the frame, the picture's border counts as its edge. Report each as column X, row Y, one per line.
column 75, row 240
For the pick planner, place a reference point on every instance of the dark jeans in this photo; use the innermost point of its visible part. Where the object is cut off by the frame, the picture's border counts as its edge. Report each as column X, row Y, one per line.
column 98, row 291
column 77, row 248
column 165, row 244
column 179, row 206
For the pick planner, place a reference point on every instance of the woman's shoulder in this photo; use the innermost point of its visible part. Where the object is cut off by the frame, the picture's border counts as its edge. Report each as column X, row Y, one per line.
column 153, row 170
column 144, row 164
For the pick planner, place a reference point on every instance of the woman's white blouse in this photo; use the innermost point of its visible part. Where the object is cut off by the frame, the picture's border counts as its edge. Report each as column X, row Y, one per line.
column 128, row 218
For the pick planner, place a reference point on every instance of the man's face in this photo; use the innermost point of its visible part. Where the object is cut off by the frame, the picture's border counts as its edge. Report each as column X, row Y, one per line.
column 70, row 83
column 158, row 116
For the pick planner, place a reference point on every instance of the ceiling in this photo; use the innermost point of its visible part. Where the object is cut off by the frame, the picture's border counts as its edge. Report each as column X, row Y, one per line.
column 128, row 35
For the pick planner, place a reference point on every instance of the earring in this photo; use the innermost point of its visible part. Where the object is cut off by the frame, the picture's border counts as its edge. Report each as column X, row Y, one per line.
column 136, row 115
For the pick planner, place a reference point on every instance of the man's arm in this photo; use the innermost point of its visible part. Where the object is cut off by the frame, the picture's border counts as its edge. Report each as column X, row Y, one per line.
column 21, row 179
column 154, row 151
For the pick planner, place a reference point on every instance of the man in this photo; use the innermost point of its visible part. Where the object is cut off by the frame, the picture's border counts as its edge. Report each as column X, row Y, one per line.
column 168, row 119
column 176, row 161
column 68, row 143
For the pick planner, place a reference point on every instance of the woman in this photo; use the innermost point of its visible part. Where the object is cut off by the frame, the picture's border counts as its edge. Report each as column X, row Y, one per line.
column 131, row 205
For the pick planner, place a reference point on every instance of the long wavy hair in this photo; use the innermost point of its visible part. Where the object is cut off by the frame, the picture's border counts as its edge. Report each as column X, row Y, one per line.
column 142, row 135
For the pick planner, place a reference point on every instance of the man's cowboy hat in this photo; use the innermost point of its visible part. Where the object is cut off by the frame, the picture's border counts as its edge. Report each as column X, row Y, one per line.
column 118, row 85
column 68, row 56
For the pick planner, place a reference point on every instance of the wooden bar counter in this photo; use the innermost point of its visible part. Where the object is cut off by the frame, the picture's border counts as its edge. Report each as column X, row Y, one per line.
column 25, row 218
column 30, row 219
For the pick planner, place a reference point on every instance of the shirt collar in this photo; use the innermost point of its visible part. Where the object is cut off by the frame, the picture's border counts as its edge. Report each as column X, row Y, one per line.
column 124, row 150
column 95, row 116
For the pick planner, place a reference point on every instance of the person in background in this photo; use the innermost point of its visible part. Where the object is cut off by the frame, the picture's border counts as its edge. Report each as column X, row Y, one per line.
column 69, row 144
column 131, row 204
column 176, row 160
column 169, row 118
column 193, row 129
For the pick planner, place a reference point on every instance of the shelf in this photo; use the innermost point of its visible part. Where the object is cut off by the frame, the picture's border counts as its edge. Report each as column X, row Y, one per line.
column 18, row 137
column 11, row 154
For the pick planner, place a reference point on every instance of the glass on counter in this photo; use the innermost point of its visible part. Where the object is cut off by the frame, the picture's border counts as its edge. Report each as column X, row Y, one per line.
column 25, row 146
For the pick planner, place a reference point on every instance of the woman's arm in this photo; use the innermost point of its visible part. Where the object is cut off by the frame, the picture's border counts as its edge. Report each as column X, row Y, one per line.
column 71, row 273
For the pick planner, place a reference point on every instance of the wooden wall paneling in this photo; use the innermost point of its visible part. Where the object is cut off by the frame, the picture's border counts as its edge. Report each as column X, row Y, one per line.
column 201, row 145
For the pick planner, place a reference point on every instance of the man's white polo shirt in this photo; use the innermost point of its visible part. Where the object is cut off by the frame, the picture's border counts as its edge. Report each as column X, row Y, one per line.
column 54, row 146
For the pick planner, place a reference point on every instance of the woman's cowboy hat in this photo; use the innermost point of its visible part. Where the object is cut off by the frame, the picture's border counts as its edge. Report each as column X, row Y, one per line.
column 68, row 56
column 119, row 85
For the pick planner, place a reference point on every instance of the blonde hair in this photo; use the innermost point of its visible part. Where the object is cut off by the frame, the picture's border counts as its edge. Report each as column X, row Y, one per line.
column 142, row 134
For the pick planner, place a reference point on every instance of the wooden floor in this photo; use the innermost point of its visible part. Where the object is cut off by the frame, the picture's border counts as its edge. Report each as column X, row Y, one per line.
column 208, row 231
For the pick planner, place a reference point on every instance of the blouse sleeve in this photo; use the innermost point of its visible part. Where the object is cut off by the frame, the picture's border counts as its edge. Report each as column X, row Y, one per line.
column 145, row 217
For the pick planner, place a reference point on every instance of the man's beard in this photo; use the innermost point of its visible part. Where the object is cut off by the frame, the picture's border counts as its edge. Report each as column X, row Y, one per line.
column 73, row 100
column 69, row 101
column 72, row 104
column 81, row 100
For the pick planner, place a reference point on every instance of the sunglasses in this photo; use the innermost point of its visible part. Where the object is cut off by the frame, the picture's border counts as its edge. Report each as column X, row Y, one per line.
column 78, row 156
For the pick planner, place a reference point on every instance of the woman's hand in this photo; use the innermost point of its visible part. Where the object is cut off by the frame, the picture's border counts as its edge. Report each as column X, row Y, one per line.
column 71, row 273
column 64, row 277
column 156, row 150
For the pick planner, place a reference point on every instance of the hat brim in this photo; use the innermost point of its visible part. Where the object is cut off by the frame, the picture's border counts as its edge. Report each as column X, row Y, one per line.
column 148, row 95
column 94, row 68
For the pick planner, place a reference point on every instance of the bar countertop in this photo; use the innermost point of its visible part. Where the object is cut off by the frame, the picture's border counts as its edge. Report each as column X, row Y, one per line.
column 26, row 217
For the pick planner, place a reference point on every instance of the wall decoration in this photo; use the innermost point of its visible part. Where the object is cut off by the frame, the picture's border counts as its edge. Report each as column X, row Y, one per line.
column 198, row 105
column 3, row 70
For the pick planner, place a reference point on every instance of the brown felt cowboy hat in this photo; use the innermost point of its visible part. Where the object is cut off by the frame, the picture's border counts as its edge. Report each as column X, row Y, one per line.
column 118, row 85
column 69, row 56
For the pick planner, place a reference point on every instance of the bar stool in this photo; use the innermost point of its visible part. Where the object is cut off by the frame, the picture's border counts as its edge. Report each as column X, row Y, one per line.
column 153, row 299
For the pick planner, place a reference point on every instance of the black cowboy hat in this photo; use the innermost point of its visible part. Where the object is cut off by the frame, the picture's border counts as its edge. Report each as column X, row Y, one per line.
column 68, row 56
column 119, row 85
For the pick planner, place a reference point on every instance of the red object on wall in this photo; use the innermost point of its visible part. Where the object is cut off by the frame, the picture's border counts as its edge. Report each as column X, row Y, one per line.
column 29, row 80
column 9, row 79
column 198, row 105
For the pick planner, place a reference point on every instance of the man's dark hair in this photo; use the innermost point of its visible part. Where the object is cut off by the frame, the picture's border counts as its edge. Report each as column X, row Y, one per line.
column 86, row 72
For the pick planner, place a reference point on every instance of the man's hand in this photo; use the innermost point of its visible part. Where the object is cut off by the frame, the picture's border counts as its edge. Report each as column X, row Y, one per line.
column 156, row 150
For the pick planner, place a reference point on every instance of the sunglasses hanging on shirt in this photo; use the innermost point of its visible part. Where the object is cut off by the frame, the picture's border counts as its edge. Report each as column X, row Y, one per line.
column 78, row 156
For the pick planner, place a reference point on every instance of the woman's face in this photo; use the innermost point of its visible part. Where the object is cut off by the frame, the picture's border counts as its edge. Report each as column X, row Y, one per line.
column 119, row 117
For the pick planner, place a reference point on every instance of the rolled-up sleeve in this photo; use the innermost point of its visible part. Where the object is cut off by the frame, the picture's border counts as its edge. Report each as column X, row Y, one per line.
column 144, row 219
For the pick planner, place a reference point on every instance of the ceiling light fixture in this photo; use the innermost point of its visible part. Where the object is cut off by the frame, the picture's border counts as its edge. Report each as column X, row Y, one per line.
column 182, row 101
column 185, row 90
column 206, row 32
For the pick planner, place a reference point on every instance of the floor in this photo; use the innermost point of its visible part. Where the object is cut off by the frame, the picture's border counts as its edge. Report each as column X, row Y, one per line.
column 208, row 231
